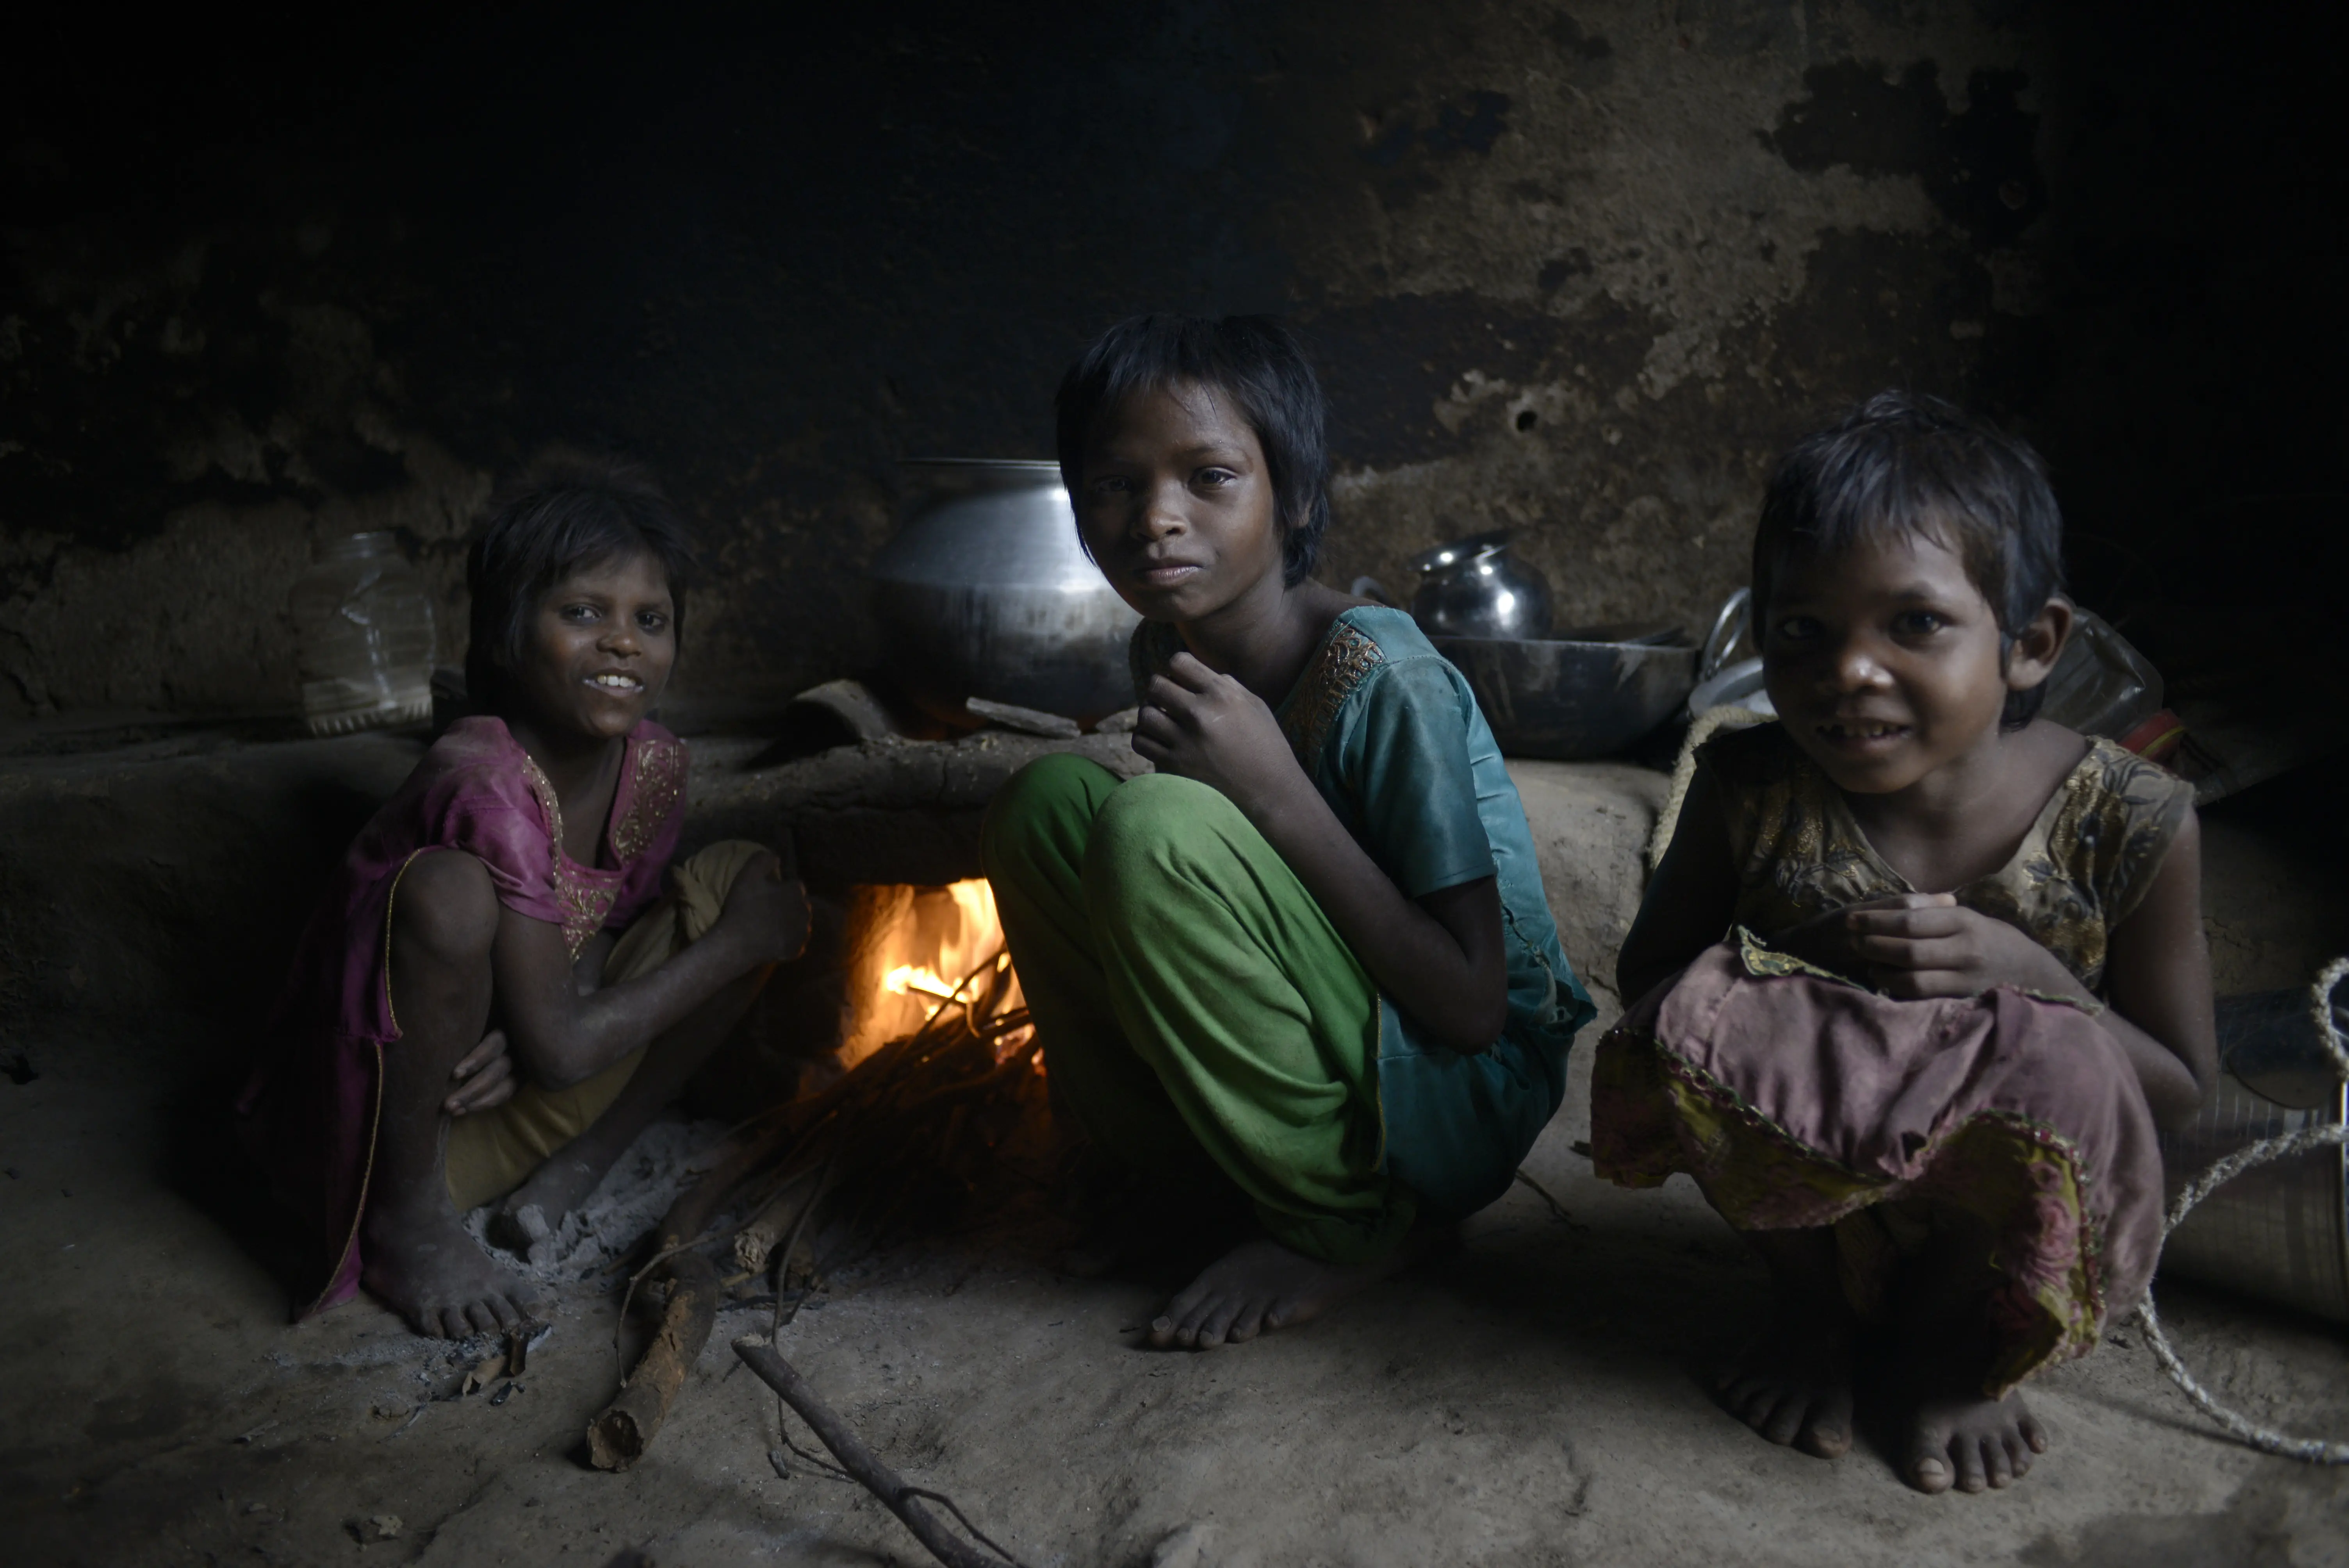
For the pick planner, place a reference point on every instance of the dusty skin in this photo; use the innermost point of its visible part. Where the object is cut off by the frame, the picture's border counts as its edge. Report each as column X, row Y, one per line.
column 1261, row 1284
column 423, row 1265
column 1793, row 1385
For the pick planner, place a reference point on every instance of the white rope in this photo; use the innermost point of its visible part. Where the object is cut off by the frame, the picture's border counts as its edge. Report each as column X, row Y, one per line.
column 2314, row 1450
column 1705, row 725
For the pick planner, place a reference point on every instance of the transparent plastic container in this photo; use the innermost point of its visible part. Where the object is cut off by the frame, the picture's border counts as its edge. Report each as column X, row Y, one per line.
column 364, row 625
column 2101, row 685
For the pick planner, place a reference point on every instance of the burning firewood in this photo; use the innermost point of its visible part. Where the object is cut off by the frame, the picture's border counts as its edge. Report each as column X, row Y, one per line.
column 920, row 1116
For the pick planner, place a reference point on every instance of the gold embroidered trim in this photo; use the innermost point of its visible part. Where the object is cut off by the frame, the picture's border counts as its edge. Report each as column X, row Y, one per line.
column 1345, row 658
column 658, row 786
column 583, row 905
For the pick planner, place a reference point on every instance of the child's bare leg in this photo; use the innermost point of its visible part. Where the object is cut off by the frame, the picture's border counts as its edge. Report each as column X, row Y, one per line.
column 1792, row 1383
column 1956, row 1437
column 420, row 1260
column 572, row 1172
column 1261, row 1284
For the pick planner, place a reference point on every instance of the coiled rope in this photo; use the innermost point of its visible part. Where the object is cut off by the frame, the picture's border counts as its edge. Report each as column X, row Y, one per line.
column 2314, row 1450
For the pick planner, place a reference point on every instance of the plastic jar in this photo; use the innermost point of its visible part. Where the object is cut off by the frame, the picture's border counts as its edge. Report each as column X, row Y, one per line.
column 364, row 625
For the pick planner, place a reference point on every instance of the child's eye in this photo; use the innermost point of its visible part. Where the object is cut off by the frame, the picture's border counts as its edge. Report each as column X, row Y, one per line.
column 1918, row 623
column 1108, row 484
column 1212, row 477
column 581, row 613
column 1797, row 629
column 652, row 621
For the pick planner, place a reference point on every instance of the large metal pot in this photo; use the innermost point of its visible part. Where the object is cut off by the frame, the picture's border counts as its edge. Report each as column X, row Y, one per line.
column 986, row 593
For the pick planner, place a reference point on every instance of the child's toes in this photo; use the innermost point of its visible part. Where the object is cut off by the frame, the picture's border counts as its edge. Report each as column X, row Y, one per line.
column 1249, row 1322
column 1974, row 1475
column 1218, row 1326
column 1997, row 1466
column 1929, row 1470
column 1785, row 1422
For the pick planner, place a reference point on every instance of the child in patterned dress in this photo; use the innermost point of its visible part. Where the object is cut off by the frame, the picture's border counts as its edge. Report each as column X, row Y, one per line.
column 1963, row 970
column 496, row 994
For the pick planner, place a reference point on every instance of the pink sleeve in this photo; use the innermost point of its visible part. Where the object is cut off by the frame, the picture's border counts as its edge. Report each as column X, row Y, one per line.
column 484, row 802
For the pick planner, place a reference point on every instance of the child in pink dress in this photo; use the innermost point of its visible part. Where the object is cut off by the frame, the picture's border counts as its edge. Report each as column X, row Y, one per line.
column 1963, row 969
column 496, row 994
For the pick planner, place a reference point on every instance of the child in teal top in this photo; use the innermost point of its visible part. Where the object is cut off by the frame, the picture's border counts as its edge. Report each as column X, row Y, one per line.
column 1309, row 956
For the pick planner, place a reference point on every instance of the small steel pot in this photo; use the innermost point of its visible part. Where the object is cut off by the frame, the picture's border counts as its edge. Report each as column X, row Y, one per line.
column 986, row 593
column 1475, row 588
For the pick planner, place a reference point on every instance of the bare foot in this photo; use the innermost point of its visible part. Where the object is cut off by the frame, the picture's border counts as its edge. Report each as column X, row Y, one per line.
column 422, row 1264
column 1261, row 1284
column 1793, row 1385
column 1971, row 1443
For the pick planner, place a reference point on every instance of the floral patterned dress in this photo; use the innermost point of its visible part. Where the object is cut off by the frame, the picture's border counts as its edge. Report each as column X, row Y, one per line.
column 1799, row 1098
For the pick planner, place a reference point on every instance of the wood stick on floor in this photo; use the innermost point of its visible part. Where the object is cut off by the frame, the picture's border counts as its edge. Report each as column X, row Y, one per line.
column 865, row 1466
column 624, row 1429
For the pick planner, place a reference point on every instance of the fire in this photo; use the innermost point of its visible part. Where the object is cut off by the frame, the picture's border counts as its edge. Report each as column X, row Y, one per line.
column 917, row 951
column 911, row 977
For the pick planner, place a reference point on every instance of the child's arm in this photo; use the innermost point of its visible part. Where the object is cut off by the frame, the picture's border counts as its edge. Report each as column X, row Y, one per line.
column 1440, row 957
column 2156, row 968
column 1689, row 899
column 561, row 1036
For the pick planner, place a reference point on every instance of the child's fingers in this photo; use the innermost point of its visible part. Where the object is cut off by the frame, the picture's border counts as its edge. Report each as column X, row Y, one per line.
column 1172, row 700
column 1910, row 920
column 1189, row 671
column 492, row 1048
column 1156, row 724
column 493, row 1085
column 1913, row 954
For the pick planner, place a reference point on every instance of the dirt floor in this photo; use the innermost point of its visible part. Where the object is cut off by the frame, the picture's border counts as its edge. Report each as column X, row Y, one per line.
column 1537, row 1397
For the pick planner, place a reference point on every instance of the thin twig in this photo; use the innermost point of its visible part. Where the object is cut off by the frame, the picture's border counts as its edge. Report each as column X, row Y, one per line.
column 865, row 1465
column 1557, row 1210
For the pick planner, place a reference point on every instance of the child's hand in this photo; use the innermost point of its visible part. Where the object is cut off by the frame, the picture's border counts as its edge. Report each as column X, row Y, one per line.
column 483, row 1079
column 1929, row 944
column 766, row 913
column 1200, row 725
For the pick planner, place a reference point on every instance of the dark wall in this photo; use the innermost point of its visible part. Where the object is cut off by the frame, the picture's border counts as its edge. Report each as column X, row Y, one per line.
column 1579, row 269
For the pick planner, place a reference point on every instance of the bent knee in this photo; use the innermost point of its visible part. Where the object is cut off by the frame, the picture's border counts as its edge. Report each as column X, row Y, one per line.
column 1043, row 804
column 445, row 906
column 1159, row 808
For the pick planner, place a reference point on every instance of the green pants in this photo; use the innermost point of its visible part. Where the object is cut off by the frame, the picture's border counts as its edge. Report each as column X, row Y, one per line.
column 1193, row 999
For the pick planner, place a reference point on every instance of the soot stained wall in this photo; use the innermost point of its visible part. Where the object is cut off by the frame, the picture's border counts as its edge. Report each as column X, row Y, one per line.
column 1579, row 269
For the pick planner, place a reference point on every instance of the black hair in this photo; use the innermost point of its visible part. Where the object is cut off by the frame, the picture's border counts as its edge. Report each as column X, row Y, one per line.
column 1255, row 362
column 1905, row 464
column 566, row 511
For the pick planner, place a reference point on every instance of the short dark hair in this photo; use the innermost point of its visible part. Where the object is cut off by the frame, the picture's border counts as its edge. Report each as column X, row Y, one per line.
column 1905, row 464
column 1255, row 361
column 566, row 511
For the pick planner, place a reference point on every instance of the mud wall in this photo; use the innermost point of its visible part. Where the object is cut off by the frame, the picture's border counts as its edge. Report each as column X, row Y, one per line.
column 1577, row 269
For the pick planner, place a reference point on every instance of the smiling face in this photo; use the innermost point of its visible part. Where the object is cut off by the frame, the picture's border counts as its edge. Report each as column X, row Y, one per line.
column 1884, row 661
column 600, row 647
column 1176, row 504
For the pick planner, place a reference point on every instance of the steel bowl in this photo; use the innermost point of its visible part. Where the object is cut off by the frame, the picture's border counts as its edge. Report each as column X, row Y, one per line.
column 1591, row 692
column 985, row 592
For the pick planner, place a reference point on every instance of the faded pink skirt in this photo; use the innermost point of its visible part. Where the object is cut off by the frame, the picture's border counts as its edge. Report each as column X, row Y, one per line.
column 1798, row 1099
